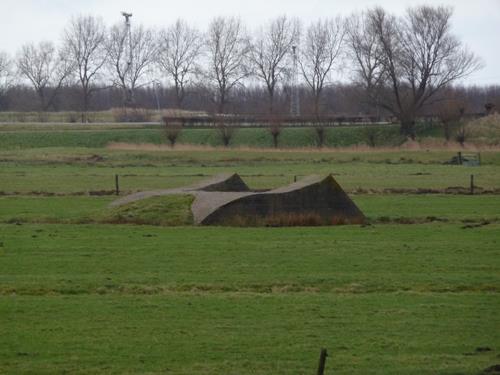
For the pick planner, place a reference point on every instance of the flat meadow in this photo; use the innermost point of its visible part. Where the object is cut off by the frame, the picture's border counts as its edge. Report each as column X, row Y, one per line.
column 413, row 291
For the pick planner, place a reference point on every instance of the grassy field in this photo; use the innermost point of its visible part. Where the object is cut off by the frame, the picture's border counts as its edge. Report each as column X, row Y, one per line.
column 116, row 299
column 416, row 291
column 84, row 170
column 99, row 135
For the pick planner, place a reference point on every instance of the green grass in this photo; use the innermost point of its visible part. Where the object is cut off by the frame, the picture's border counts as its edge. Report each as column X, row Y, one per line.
column 245, row 334
column 81, row 296
column 71, row 171
column 170, row 210
column 25, row 136
column 451, row 208
column 32, row 134
column 52, row 209
column 114, row 299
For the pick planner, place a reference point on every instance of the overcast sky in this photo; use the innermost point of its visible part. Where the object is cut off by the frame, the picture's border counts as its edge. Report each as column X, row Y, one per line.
column 476, row 22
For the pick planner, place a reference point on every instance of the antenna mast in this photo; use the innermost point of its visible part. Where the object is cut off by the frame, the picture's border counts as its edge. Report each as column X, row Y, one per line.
column 128, row 28
column 295, row 95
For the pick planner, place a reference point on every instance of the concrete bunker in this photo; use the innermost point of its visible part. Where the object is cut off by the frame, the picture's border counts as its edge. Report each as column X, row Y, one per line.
column 227, row 200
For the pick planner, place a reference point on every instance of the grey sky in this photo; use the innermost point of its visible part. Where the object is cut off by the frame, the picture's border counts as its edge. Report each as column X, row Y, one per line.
column 476, row 22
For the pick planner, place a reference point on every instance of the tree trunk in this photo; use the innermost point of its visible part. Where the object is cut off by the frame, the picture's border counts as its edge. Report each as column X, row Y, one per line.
column 180, row 99
column 320, row 135
column 316, row 106
column 86, row 94
column 271, row 101
column 179, row 94
column 42, row 101
column 408, row 126
column 222, row 102
column 129, row 99
column 275, row 139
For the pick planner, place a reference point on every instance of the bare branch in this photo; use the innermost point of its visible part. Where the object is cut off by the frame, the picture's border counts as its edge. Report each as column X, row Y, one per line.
column 271, row 52
column 130, row 62
column 45, row 68
column 403, row 62
column 180, row 48
column 84, row 42
column 6, row 75
column 228, row 48
column 321, row 50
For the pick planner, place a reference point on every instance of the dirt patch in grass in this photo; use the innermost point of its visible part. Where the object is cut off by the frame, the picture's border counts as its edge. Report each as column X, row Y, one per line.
column 495, row 369
column 257, row 288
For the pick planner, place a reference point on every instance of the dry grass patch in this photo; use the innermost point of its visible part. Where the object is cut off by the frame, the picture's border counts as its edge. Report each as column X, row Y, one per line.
column 423, row 145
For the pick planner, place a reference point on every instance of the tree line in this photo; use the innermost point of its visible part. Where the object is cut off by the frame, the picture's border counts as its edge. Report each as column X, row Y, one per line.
column 398, row 66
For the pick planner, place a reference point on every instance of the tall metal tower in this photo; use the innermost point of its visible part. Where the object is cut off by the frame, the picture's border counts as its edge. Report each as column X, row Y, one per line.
column 129, row 97
column 128, row 30
column 295, row 94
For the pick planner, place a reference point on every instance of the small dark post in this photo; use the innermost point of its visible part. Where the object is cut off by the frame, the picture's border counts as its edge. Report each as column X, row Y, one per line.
column 117, row 185
column 471, row 184
column 294, row 178
column 460, row 158
column 322, row 362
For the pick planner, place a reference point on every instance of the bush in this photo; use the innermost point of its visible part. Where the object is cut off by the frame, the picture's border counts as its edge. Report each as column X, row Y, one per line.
column 225, row 129
column 371, row 134
column 485, row 130
column 320, row 131
column 275, row 128
column 173, row 129
column 131, row 114
column 461, row 136
column 72, row 117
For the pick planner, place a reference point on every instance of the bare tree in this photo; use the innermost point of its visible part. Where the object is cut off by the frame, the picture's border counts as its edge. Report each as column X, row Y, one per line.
column 417, row 58
column 85, row 44
column 271, row 51
column 6, row 76
column 180, row 48
column 320, row 51
column 46, row 68
column 130, row 60
column 228, row 48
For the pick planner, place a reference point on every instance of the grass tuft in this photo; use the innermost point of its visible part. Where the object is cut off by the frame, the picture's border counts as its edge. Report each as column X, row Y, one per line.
column 172, row 210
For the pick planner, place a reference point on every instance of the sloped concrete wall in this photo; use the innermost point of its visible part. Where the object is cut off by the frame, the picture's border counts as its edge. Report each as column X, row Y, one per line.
column 227, row 200
column 224, row 183
column 313, row 201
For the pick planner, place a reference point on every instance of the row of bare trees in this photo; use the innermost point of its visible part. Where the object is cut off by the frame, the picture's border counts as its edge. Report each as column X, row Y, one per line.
column 399, row 63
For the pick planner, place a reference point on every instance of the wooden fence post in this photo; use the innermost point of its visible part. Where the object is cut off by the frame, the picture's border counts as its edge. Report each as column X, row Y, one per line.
column 471, row 184
column 117, row 185
column 322, row 362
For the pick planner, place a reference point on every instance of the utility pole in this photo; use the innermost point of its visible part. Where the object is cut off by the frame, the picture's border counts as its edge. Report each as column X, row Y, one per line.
column 295, row 94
